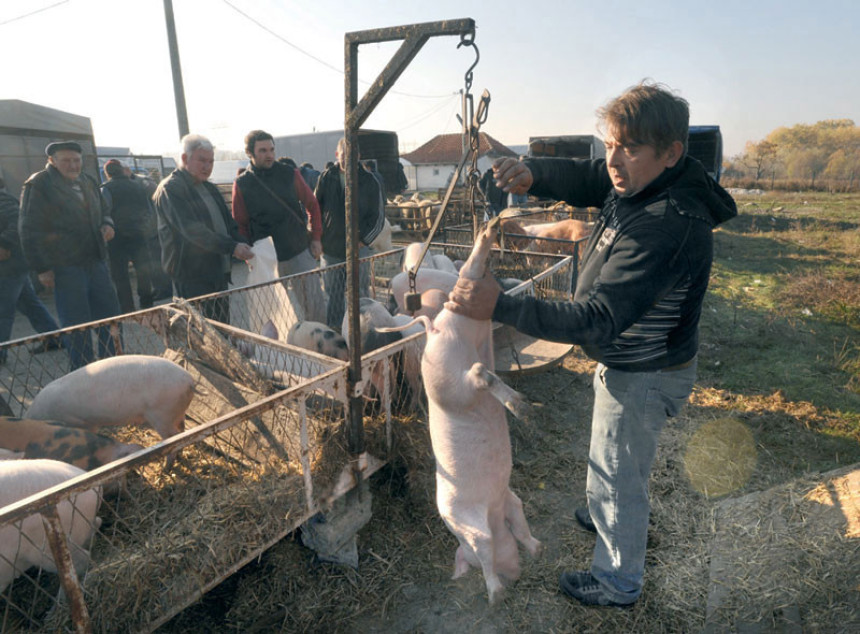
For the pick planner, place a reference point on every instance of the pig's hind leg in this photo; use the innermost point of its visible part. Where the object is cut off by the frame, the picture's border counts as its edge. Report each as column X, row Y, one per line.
column 483, row 379
column 519, row 526
column 476, row 549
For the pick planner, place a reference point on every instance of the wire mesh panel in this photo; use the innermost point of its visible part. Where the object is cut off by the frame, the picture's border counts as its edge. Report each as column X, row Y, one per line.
column 264, row 449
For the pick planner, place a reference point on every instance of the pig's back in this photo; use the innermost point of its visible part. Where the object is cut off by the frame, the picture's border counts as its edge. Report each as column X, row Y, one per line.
column 113, row 391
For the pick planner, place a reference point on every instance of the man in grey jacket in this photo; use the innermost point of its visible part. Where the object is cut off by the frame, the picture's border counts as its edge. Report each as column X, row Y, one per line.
column 198, row 235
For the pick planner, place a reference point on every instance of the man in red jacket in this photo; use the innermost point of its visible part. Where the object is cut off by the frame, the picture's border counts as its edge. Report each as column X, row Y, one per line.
column 271, row 198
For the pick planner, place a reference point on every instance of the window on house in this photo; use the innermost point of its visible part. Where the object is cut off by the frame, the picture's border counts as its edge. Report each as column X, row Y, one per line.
column 435, row 171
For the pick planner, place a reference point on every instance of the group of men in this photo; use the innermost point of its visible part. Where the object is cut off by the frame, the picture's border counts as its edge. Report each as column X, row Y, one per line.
column 635, row 311
column 70, row 228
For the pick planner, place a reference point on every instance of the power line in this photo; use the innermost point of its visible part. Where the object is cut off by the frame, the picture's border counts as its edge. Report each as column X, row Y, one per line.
column 317, row 59
column 27, row 15
column 425, row 115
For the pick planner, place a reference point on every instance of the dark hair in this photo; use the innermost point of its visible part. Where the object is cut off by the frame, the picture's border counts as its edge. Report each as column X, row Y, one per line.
column 114, row 168
column 252, row 137
column 329, row 164
column 307, row 165
column 647, row 114
column 286, row 160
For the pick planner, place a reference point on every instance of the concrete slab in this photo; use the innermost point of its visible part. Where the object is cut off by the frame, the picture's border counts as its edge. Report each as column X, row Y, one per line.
column 782, row 556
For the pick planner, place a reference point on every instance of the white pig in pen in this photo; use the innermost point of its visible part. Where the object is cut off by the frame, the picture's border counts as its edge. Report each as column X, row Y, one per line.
column 25, row 545
column 130, row 389
column 470, row 440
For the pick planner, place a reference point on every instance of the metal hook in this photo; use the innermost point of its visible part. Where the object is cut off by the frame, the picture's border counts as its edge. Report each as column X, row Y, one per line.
column 472, row 67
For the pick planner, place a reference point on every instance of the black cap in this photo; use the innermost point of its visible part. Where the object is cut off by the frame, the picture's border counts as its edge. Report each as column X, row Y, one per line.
column 63, row 145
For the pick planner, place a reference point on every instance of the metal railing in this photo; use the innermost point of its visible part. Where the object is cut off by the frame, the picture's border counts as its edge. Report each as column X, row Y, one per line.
column 264, row 450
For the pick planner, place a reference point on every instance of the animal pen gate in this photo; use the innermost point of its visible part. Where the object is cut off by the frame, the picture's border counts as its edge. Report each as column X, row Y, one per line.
column 264, row 451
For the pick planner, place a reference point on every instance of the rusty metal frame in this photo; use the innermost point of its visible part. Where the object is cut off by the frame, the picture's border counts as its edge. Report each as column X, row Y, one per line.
column 356, row 111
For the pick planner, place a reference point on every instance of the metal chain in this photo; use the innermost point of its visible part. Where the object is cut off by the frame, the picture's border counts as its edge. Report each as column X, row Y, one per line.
column 473, row 126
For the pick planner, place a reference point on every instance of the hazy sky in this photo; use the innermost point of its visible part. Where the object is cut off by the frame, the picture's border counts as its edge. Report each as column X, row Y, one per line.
column 747, row 65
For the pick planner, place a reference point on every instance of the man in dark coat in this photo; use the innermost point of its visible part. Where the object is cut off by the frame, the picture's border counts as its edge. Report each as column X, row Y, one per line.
column 64, row 226
column 16, row 289
column 133, row 218
column 331, row 194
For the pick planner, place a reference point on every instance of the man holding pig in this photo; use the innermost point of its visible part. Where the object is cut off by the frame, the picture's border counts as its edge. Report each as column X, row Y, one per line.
column 636, row 310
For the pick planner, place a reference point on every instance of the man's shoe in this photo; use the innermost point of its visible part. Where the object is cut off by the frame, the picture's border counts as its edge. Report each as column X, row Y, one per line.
column 584, row 518
column 582, row 586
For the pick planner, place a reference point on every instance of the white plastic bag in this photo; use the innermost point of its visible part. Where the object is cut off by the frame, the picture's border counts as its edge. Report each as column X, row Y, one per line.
column 268, row 303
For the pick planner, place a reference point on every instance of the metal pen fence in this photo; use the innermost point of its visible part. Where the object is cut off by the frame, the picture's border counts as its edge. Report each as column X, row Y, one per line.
column 263, row 452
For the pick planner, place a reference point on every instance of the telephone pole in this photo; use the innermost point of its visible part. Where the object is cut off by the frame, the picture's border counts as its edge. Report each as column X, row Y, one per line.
column 178, row 90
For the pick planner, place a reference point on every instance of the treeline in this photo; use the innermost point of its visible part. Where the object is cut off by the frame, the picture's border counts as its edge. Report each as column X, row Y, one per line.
column 824, row 156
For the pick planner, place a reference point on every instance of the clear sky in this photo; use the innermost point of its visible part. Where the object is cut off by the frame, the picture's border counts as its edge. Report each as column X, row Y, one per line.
column 747, row 65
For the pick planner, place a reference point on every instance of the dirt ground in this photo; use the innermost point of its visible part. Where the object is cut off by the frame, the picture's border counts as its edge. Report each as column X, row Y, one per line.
column 406, row 554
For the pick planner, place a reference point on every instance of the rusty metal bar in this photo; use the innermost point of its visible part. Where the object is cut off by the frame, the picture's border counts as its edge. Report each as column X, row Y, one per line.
column 66, row 569
column 355, row 113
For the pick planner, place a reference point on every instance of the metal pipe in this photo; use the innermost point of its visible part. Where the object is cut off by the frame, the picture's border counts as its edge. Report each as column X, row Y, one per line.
column 66, row 569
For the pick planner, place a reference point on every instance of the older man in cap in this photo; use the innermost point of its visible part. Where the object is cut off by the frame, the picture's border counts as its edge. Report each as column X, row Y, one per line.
column 64, row 228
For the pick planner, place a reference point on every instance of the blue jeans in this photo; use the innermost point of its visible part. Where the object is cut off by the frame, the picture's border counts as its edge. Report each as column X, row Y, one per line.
column 82, row 294
column 308, row 293
column 17, row 292
column 630, row 409
column 136, row 250
column 335, row 285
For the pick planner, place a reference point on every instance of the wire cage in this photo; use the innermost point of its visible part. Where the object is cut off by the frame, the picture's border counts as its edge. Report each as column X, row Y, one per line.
column 135, row 541
column 525, row 216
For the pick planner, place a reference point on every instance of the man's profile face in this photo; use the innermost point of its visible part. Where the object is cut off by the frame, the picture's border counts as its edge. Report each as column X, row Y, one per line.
column 264, row 154
column 340, row 155
column 632, row 167
column 68, row 162
column 199, row 164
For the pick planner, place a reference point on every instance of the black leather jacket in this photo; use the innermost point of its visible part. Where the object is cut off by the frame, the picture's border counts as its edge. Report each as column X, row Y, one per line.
column 57, row 228
column 9, row 240
column 332, row 198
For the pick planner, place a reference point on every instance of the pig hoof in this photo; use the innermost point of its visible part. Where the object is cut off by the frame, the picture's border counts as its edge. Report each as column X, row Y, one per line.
column 497, row 595
column 534, row 547
column 520, row 408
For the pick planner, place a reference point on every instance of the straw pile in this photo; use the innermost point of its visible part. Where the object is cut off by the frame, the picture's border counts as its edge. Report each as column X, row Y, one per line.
column 406, row 553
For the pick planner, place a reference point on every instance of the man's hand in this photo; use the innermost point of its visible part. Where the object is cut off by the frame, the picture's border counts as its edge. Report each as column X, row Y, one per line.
column 474, row 298
column 316, row 249
column 5, row 254
column 108, row 233
column 243, row 252
column 512, row 176
column 46, row 279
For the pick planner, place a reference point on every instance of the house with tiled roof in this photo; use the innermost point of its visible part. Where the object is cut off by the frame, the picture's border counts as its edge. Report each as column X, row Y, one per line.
column 432, row 165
